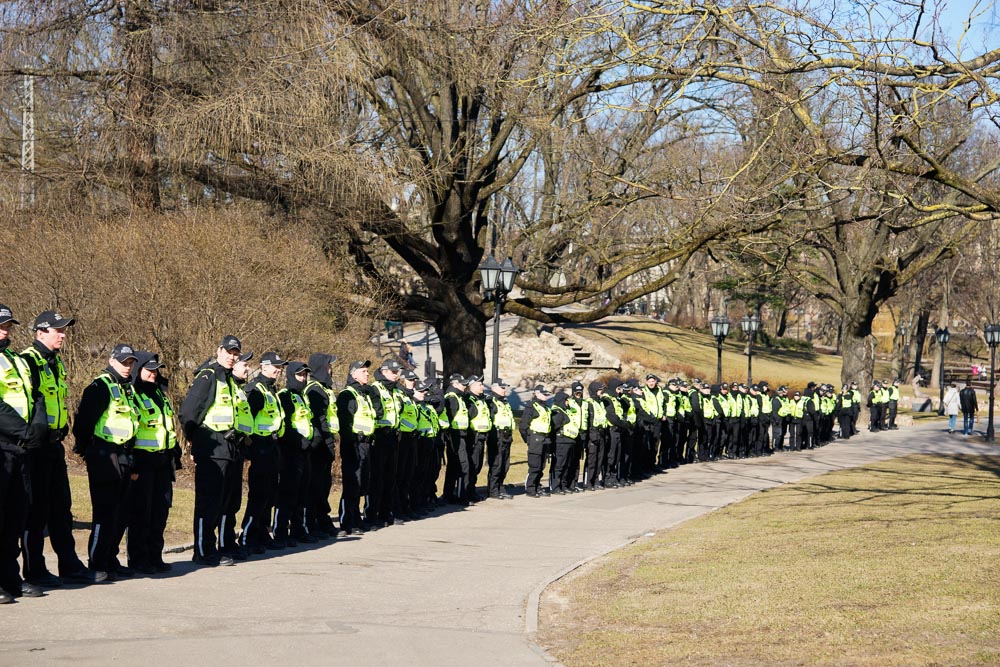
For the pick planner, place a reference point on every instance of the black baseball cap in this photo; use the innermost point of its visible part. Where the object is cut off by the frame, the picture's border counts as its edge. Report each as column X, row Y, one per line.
column 297, row 367
column 473, row 378
column 355, row 365
column 410, row 375
column 153, row 364
column 391, row 365
column 122, row 352
column 272, row 358
column 6, row 315
column 50, row 319
column 231, row 343
column 650, row 376
column 577, row 386
column 540, row 389
column 457, row 377
column 245, row 357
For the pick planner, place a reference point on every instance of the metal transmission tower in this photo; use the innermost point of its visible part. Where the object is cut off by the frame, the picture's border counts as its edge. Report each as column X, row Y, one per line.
column 28, row 143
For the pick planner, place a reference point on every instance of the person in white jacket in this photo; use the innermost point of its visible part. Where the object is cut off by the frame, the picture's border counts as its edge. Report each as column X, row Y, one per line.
column 951, row 406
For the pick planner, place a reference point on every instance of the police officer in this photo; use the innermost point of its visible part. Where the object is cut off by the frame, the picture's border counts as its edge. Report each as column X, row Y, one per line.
column 105, row 426
column 291, row 515
column 425, row 452
column 479, row 428
column 535, row 428
column 50, row 502
column 406, row 461
column 892, row 404
column 845, row 412
column 618, row 424
column 566, row 419
column 597, row 438
column 156, row 456
column 649, row 408
column 500, row 439
column 264, row 454
column 457, row 415
column 797, row 428
column 209, row 419
column 22, row 426
column 384, row 454
column 875, row 406
column 323, row 401
column 357, row 426
column 233, row 493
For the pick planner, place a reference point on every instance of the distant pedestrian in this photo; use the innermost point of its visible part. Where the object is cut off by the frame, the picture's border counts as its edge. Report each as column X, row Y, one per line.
column 967, row 401
column 951, row 405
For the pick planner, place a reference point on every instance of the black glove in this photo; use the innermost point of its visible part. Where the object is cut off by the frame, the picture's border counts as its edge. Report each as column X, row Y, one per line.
column 178, row 456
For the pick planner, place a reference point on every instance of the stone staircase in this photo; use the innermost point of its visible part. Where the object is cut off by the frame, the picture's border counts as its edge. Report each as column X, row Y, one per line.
column 583, row 355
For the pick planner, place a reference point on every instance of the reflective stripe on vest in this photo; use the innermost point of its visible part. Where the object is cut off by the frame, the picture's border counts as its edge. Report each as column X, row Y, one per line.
column 52, row 387
column 461, row 418
column 845, row 400
column 630, row 415
column 221, row 415
column 390, row 408
column 120, row 420
column 750, row 406
column 708, row 410
column 364, row 415
column 571, row 428
column 156, row 425
column 799, row 408
column 600, row 413
column 765, row 404
column 651, row 402
column 244, row 418
column 542, row 423
column 15, row 384
column 504, row 418
column 270, row 419
column 427, row 420
column 670, row 404
column 331, row 405
column 407, row 414
column 481, row 423
column 301, row 414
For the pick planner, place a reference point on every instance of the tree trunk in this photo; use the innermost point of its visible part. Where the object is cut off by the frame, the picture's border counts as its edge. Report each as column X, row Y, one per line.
column 462, row 334
column 923, row 319
column 140, row 138
column 782, row 324
column 858, row 351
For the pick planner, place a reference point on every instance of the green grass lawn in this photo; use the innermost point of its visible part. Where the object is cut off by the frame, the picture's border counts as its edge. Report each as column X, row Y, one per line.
column 888, row 565
column 662, row 347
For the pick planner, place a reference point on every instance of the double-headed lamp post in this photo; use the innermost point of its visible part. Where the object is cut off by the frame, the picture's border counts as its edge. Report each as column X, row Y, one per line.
column 750, row 325
column 943, row 336
column 992, row 334
column 498, row 281
column 720, row 329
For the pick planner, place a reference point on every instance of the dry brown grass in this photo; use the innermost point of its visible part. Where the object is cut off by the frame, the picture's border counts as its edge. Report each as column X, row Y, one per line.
column 893, row 564
column 176, row 283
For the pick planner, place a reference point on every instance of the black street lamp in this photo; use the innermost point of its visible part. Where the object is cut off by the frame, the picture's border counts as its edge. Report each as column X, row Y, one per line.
column 498, row 281
column 902, row 350
column 750, row 325
column 992, row 333
column 720, row 329
column 942, row 335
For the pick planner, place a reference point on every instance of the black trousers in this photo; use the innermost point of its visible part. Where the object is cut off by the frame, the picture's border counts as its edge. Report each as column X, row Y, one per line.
column 456, row 475
column 406, row 466
column 293, row 484
column 354, row 465
column 537, row 445
column 152, row 496
column 477, row 450
column 320, row 483
column 559, row 473
column 893, row 407
column 778, row 430
column 846, row 427
column 49, row 508
column 232, row 501
column 109, row 471
column 14, row 485
column 262, row 491
column 498, row 452
column 875, row 423
column 382, row 480
column 612, row 458
column 209, row 501
column 597, row 445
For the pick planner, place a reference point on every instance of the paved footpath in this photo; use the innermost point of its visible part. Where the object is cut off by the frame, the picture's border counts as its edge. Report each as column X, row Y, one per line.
column 455, row 589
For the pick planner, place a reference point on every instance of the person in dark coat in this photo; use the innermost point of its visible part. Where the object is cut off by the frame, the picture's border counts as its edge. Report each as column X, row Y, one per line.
column 970, row 406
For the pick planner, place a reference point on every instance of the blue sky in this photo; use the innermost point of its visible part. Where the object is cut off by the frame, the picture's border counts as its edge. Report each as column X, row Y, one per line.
column 983, row 32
